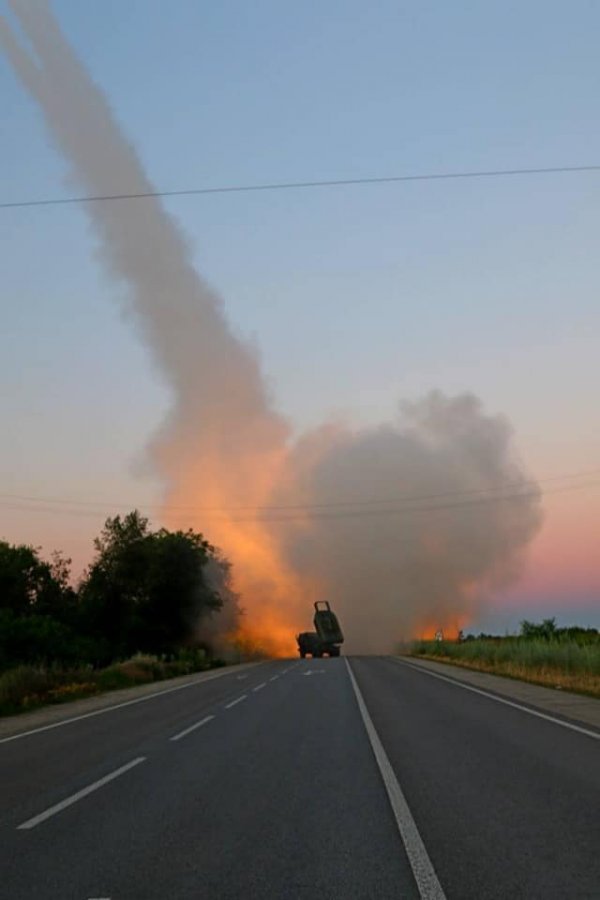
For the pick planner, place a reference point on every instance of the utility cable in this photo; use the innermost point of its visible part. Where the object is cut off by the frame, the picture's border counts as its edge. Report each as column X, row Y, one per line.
column 342, row 514
column 406, row 498
column 300, row 185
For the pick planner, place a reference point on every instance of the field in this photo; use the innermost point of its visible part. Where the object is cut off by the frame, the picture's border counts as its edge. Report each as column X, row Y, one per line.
column 562, row 663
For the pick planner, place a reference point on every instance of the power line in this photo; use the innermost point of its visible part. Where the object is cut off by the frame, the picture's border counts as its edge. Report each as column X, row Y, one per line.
column 370, row 513
column 296, row 185
column 344, row 514
column 405, row 498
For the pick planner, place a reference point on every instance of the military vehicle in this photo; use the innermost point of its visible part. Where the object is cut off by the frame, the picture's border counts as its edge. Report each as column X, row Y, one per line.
column 326, row 638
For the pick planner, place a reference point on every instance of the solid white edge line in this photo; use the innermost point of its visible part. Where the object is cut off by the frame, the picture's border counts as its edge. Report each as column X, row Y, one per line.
column 259, row 687
column 106, row 709
column 427, row 881
column 177, row 737
column 532, row 712
column 58, row 807
column 235, row 702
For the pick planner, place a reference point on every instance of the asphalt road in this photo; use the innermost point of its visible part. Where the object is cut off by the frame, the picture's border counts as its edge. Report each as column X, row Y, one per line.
column 301, row 779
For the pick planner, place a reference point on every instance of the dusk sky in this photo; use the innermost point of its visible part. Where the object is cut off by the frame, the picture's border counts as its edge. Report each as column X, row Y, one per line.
column 356, row 297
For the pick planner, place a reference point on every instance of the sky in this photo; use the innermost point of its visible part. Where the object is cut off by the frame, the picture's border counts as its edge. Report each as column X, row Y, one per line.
column 356, row 297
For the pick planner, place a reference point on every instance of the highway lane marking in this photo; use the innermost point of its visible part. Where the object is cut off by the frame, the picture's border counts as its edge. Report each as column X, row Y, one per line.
column 235, row 702
column 427, row 881
column 274, row 678
column 177, row 737
column 106, row 709
column 532, row 712
column 259, row 687
column 58, row 807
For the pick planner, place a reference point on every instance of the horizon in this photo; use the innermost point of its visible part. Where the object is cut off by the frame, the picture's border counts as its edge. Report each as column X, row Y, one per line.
column 335, row 288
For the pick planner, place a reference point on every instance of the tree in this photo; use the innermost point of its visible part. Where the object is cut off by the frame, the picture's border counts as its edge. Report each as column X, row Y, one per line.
column 146, row 590
column 546, row 630
column 31, row 586
column 38, row 608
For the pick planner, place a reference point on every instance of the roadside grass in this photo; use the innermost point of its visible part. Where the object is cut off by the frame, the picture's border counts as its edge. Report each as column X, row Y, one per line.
column 29, row 687
column 561, row 664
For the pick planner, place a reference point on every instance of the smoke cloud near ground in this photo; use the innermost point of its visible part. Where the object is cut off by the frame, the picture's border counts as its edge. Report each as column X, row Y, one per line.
column 415, row 533
column 402, row 527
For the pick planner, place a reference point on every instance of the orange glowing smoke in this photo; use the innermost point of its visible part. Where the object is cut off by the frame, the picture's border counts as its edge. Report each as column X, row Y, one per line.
column 449, row 628
column 275, row 600
column 223, row 450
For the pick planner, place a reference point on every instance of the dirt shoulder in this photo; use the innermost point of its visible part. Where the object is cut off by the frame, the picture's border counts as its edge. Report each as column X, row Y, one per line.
column 576, row 707
column 52, row 714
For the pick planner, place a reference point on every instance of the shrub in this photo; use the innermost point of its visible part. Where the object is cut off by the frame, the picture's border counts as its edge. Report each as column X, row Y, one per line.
column 23, row 682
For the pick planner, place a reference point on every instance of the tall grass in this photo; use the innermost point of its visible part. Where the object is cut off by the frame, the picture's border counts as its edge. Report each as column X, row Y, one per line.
column 28, row 687
column 567, row 664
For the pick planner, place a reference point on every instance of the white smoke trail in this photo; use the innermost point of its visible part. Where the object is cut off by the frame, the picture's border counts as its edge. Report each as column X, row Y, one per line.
column 208, row 367
column 224, row 446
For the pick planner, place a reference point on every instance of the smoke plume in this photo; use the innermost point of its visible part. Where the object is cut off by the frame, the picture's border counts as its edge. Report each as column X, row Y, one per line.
column 395, row 525
column 415, row 532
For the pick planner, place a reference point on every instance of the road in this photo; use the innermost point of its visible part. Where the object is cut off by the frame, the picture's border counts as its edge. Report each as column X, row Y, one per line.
column 365, row 778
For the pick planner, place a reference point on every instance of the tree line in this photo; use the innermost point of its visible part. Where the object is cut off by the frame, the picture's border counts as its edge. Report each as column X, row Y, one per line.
column 145, row 591
column 546, row 630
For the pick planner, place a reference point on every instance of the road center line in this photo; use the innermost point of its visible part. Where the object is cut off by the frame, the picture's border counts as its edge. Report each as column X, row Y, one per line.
column 259, row 687
column 532, row 712
column 235, row 702
column 53, row 810
column 177, row 737
column 423, row 871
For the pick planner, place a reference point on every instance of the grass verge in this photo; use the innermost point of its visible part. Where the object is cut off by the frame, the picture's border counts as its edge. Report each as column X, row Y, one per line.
column 563, row 665
column 29, row 687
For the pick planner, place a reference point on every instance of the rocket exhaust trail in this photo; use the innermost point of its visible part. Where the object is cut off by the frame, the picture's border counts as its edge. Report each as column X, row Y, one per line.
column 224, row 446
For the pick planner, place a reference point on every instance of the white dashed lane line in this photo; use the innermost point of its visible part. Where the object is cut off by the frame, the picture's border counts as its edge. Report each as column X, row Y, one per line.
column 235, row 702
column 274, row 678
column 177, row 737
column 53, row 810
column 259, row 687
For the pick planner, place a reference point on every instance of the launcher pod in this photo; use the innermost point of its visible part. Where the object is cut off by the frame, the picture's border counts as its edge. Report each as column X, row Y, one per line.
column 327, row 635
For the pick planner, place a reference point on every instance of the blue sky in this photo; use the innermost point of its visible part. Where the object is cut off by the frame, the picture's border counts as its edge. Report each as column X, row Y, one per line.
column 357, row 297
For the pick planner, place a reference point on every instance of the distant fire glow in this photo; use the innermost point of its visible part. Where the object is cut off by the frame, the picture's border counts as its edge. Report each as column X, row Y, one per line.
column 383, row 522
